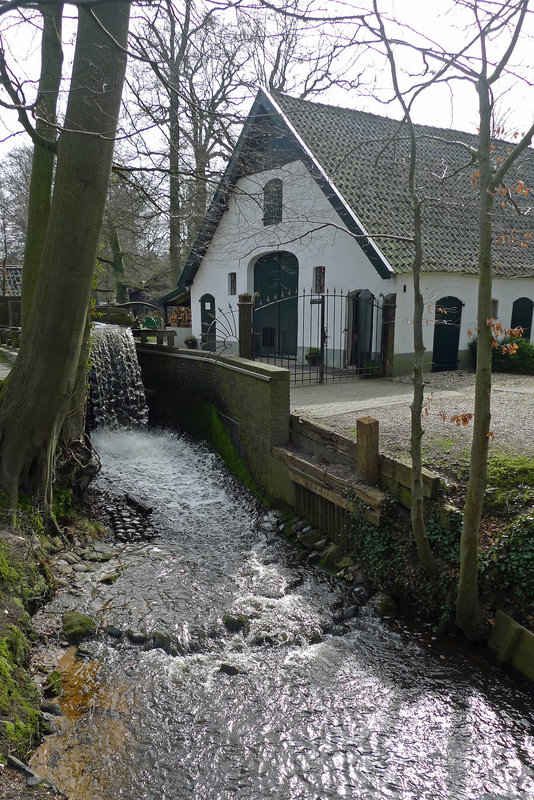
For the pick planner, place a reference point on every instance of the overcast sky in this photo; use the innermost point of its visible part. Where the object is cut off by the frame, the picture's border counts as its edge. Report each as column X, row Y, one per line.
column 454, row 105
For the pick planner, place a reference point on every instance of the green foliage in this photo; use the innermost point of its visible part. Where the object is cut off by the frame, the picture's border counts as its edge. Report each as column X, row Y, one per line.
column 507, row 570
column 438, row 599
column 23, row 581
column 22, row 734
column 221, row 442
column 445, row 543
column 510, row 483
column 8, row 574
column 29, row 519
column 388, row 558
column 521, row 362
column 62, row 503
column 379, row 550
column 54, row 683
column 18, row 644
column 90, row 528
column 313, row 356
column 19, row 697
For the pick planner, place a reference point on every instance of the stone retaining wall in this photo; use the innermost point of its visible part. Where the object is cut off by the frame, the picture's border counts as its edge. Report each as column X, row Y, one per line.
column 513, row 644
column 251, row 400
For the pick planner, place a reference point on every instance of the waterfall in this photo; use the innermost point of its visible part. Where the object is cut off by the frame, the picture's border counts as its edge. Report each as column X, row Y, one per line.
column 117, row 396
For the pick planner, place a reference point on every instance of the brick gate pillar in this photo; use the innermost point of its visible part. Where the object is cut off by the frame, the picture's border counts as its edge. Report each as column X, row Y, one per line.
column 245, row 306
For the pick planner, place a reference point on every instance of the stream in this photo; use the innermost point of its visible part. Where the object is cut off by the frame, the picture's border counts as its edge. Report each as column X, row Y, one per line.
column 184, row 707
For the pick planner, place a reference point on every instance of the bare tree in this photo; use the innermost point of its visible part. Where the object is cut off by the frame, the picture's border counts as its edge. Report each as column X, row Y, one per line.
column 506, row 18
column 34, row 404
column 43, row 159
column 14, row 190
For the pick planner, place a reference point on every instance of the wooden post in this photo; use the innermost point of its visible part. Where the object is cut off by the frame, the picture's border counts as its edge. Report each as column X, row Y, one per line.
column 245, row 306
column 367, row 439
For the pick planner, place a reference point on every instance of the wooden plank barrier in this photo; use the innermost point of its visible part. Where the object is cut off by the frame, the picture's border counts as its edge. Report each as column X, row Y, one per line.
column 392, row 475
column 337, row 490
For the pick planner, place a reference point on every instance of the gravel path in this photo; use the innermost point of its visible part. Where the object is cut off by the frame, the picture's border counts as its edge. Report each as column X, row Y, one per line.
column 450, row 393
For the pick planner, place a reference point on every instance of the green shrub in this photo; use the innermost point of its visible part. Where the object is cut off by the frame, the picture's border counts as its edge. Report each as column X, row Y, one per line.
column 388, row 558
column 445, row 543
column 379, row 550
column 19, row 697
column 520, row 362
column 507, row 570
column 8, row 574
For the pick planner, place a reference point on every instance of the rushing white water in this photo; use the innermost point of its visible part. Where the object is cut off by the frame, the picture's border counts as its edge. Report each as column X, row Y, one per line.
column 117, row 392
column 375, row 712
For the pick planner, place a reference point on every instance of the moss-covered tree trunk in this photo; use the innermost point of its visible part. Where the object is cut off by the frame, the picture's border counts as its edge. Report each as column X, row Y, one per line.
column 36, row 398
column 117, row 262
column 43, row 160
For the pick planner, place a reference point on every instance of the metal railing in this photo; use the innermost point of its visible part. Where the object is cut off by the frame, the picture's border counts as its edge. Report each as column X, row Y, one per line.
column 323, row 337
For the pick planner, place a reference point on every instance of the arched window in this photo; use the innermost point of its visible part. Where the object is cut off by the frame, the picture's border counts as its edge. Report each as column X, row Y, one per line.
column 272, row 202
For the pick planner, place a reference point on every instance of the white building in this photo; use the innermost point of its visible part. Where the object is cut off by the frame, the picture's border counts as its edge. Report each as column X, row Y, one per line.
column 315, row 200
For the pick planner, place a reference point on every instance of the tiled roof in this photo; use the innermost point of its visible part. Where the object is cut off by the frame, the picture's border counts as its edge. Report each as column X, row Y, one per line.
column 360, row 160
column 10, row 281
column 369, row 169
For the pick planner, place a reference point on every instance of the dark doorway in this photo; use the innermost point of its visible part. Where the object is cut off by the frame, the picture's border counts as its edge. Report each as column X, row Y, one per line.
column 522, row 316
column 446, row 334
column 207, row 321
column 361, row 316
column 276, row 278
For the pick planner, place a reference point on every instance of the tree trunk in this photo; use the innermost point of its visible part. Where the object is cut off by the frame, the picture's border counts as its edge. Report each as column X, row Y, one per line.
column 39, row 389
column 175, row 245
column 175, row 184
column 117, row 262
column 43, row 160
column 468, row 612
column 424, row 550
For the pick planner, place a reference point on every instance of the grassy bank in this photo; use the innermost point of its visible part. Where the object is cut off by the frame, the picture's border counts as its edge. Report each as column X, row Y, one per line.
column 506, row 553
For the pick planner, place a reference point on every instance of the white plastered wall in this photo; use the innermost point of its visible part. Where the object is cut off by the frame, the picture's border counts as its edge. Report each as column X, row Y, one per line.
column 310, row 229
column 434, row 286
column 314, row 233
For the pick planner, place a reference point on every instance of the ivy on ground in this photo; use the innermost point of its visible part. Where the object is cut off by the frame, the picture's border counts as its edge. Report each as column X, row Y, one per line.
column 507, row 571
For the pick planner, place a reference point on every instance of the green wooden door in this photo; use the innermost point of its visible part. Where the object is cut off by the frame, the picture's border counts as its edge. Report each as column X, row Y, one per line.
column 446, row 334
column 207, row 320
column 522, row 316
column 276, row 311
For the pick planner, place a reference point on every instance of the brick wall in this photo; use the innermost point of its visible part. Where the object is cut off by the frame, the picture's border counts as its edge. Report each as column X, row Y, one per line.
column 251, row 400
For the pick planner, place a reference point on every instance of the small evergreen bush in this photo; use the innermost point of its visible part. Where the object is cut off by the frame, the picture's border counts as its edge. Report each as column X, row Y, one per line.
column 521, row 362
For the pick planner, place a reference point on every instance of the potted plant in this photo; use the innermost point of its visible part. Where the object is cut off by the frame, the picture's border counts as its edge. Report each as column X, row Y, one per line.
column 313, row 356
column 372, row 369
column 191, row 342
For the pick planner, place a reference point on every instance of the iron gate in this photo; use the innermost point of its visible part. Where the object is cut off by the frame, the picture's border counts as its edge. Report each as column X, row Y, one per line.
column 337, row 335
column 318, row 337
